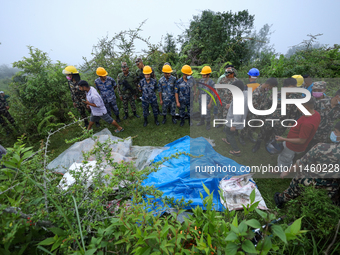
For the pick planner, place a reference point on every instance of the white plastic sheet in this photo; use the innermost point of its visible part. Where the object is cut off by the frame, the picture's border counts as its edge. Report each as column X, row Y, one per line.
column 236, row 192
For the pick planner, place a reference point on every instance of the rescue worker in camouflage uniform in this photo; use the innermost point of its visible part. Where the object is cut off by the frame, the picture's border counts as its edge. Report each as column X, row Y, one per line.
column 140, row 76
column 106, row 85
column 166, row 89
column 319, row 90
column 127, row 90
column 269, row 129
column 4, row 112
column 261, row 101
column 329, row 109
column 148, row 87
column 206, row 71
column 78, row 96
column 326, row 155
column 225, row 94
column 139, row 73
column 183, row 94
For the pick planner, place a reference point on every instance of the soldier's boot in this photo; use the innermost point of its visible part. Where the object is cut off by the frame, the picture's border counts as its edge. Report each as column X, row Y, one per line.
column 250, row 137
column 201, row 122
column 208, row 126
column 145, row 121
column 86, row 123
column 190, row 122
column 126, row 116
column 156, row 121
column 182, row 122
column 164, row 119
column 257, row 145
column 241, row 139
column 136, row 115
column 117, row 118
column 174, row 120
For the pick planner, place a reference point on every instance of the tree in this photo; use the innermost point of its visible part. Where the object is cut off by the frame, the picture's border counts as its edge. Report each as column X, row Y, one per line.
column 259, row 45
column 169, row 44
column 40, row 95
column 218, row 37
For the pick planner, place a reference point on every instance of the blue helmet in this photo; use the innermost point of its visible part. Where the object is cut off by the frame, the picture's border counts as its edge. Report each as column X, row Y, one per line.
column 254, row 72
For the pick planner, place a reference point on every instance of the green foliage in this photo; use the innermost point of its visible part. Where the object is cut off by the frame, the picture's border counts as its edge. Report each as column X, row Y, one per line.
column 320, row 217
column 218, row 37
column 39, row 93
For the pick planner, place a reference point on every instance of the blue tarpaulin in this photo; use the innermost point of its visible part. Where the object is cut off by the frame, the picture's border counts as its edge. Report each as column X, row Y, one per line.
column 179, row 177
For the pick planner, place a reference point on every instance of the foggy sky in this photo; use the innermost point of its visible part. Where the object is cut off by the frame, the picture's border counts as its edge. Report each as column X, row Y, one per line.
column 67, row 30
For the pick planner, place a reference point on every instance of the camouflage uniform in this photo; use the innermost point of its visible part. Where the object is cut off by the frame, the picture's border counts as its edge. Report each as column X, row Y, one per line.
column 127, row 90
column 167, row 88
column 328, row 116
column 107, row 92
column 4, row 112
column 325, row 154
column 184, row 95
column 78, row 97
column 211, row 83
column 140, row 76
column 226, row 97
column 319, row 85
column 149, row 96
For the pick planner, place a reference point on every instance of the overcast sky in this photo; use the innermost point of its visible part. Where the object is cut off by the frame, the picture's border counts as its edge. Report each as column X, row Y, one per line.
column 67, row 30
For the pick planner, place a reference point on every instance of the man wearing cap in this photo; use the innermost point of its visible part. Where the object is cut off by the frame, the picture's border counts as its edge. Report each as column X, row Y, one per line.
column 4, row 112
column 98, row 109
column 127, row 90
column 166, row 89
column 106, row 85
column 225, row 94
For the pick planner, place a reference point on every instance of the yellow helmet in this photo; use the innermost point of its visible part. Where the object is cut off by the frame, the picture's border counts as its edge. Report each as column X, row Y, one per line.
column 166, row 69
column 101, row 71
column 299, row 79
column 147, row 70
column 186, row 70
column 206, row 70
column 70, row 70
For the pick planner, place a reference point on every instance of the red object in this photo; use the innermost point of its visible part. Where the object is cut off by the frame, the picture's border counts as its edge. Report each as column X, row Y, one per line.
column 213, row 90
column 305, row 129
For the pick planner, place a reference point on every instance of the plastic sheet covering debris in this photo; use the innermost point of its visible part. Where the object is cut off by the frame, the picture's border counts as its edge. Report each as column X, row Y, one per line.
column 177, row 178
column 121, row 151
